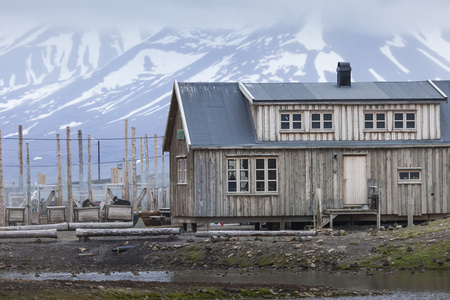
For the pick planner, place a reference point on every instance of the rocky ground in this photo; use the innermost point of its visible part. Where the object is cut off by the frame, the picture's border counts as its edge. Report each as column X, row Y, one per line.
column 418, row 248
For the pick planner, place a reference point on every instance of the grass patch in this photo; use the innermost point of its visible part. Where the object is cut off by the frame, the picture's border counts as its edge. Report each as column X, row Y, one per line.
column 408, row 256
column 192, row 254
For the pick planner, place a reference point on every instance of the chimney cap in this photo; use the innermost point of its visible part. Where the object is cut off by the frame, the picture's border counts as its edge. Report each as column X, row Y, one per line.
column 343, row 66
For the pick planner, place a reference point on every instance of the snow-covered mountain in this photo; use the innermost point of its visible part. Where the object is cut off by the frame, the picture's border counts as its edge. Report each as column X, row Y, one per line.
column 53, row 77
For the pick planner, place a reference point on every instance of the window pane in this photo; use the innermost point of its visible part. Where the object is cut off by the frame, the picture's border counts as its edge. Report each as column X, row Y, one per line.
column 398, row 116
column 231, row 175
column 231, row 164
column 381, row 117
column 398, row 124
column 272, row 186
column 368, row 117
column 272, row 174
column 327, row 125
column 410, row 116
column 284, row 125
column 244, row 164
column 244, row 186
column 410, row 124
column 315, row 125
column 260, row 186
column 260, row 175
column 232, row 186
column 272, row 162
column 327, row 117
column 244, row 175
column 297, row 117
column 285, row 117
column 404, row 175
column 315, row 117
column 259, row 163
column 414, row 175
column 296, row 125
column 368, row 125
column 381, row 125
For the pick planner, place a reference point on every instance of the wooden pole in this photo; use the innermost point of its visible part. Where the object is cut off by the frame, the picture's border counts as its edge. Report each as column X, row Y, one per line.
column 155, row 191
column 80, row 162
column 410, row 207
column 126, row 168
column 163, row 176
column 319, row 208
column 147, row 173
column 69, row 178
column 142, row 157
column 28, row 187
column 20, row 159
column 2, row 200
column 89, row 169
column 59, row 198
column 133, row 158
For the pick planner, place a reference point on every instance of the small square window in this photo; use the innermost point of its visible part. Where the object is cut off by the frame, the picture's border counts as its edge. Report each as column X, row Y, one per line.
column 291, row 121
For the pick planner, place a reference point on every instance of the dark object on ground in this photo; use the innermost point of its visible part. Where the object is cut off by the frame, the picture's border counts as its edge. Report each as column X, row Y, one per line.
column 117, row 201
column 122, row 249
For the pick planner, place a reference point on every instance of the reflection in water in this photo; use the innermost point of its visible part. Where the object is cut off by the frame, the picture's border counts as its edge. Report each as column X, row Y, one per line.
column 402, row 284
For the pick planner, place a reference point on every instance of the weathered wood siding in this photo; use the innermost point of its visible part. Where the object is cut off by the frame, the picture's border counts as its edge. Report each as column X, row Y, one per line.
column 181, row 195
column 302, row 171
column 348, row 122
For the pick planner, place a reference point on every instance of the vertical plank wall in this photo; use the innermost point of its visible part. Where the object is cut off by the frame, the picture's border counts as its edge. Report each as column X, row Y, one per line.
column 302, row 171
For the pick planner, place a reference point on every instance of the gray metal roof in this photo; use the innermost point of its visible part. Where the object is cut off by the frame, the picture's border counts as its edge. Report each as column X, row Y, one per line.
column 422, row 91
column 444, row 86
column 217, row 114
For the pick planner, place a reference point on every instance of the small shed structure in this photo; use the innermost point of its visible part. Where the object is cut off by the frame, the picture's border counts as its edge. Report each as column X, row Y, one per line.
column 286, row 152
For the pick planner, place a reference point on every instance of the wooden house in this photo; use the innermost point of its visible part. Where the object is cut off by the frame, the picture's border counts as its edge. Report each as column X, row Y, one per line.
column 286, row 152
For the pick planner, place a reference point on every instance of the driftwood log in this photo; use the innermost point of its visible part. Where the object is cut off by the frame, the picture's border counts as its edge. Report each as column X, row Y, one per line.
column 97, row 225
column 58, row 227
column 254, row 233
column 83, row 233
column 48, row 233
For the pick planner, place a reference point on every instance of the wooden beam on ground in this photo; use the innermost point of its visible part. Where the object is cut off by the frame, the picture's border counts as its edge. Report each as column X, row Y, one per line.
column 48, row 233
column 58, row 227
column 254, row 233
column 126, row 232
column 103, row 225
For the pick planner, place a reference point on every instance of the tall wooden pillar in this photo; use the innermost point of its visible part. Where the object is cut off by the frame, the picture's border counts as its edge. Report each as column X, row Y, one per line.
column 28, row 187
column 80, row 162
column 69, row 178
column 133, row 158
column 20, row 159
column 126, row 167
column 2, row 199
column 59, row 198
column 147, row 174
column 91, row 196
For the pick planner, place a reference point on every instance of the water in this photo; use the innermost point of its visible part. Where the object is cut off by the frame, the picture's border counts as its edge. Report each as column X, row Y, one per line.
column 400, row 285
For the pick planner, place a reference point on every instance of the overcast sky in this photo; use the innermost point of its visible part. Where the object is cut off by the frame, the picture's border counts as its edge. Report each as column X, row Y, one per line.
column 373, row 17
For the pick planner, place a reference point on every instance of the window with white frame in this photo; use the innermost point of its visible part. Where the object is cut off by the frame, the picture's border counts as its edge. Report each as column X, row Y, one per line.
column 321, row 121
column 404, row 120
column 182, row 170
column 375, row 120
column 266, row 175
column 291, row 121
column 409, row 175
column 238, row 175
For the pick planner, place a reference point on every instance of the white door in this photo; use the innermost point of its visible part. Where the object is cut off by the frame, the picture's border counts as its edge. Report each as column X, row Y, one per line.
column 355, row 180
